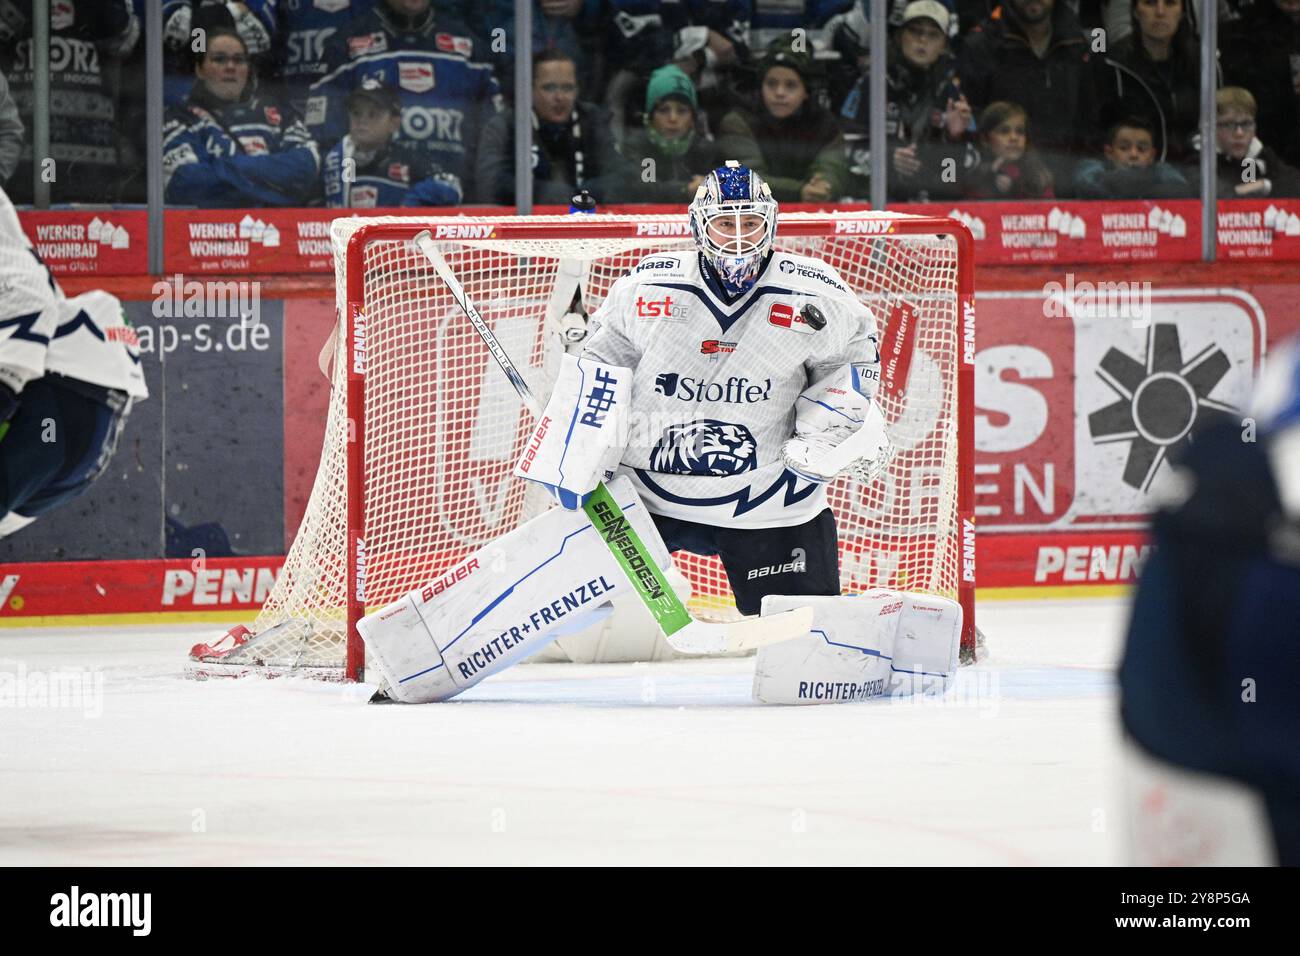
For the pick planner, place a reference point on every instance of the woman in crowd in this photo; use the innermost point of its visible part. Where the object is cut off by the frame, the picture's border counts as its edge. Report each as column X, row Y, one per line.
column 229, row 146
column 789, row 139
column 1155, row 72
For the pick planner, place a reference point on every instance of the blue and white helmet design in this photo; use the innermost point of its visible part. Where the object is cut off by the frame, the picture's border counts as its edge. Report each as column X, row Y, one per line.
column 733, row 219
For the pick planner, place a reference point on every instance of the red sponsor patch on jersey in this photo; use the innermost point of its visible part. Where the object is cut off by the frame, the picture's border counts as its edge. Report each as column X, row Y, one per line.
column 360, row 46
column 714, row 347
column 272, row 115
column 364, row 197
column 450, row 43
column 254, row 145
column 786, row 317
column 415, row 77
column 399, row 172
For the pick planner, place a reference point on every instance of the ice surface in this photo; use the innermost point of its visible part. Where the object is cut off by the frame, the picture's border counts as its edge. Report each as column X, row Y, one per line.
column 559, row 763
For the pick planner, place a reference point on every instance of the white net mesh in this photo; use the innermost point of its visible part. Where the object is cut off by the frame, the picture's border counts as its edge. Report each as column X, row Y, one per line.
column 442, row 426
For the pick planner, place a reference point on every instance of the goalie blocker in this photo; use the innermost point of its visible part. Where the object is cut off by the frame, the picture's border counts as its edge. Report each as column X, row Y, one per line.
column 580, row 437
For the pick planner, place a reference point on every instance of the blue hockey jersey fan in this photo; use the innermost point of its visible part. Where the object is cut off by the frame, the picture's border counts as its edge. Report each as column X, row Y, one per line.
column 229, row 146
column 1211, row 665
column 304, row 28
column 369, row 168
column 447, row 92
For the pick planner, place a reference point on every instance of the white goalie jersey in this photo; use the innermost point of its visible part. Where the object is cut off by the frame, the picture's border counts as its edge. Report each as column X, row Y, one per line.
column 716, row 381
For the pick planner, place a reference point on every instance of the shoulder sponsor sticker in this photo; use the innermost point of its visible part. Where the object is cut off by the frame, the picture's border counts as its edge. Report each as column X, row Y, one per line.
column 366, row 197
column 786, row 317
column 449, row 43
column 367, row 44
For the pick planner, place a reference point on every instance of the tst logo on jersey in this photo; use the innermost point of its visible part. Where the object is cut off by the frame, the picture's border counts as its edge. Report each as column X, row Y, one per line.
column 786, row 317
column 655, row 308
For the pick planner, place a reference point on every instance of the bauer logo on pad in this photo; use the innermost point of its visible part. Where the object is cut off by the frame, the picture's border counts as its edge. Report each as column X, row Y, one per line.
column 787, row 318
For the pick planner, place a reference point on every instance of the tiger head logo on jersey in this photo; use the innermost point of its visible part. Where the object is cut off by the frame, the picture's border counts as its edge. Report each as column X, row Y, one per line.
column 705, row 447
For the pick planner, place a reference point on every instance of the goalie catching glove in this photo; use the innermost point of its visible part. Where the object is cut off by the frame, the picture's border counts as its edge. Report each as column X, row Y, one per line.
column 838, row 429
column 580, row 438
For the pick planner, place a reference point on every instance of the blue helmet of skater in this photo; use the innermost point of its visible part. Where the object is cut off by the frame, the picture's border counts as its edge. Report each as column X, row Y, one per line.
column 733, row 219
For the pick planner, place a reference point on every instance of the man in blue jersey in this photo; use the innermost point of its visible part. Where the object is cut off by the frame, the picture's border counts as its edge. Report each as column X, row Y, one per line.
column 433, row 61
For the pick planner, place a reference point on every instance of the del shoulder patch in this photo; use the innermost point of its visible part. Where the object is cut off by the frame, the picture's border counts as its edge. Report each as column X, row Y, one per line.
column 791, row 267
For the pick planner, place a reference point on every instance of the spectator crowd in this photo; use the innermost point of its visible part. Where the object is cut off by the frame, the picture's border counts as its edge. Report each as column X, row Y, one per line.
column 369, row 103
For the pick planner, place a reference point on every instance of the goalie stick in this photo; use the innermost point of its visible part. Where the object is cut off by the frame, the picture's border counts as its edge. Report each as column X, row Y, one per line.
column 683, row 632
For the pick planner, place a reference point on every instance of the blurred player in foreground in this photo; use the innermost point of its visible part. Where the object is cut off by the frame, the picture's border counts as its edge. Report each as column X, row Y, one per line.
column 1210, row 670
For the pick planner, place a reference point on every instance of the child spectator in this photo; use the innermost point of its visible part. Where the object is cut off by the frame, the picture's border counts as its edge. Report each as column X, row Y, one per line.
column 848, row 34
column 681, row 155
column 436, row 65
column 1155, row 72
column 1009, row 168
column 369, row 168
column 227, row 146
column 927, row 119
column 789, row 138
column 573, row 143
column 1246, row 168
column 1130, row 170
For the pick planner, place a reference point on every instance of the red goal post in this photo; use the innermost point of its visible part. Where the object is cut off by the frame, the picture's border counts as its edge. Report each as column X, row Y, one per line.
column 423, row 431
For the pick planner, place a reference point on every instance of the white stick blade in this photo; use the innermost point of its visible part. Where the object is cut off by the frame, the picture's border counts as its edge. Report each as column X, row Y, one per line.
column 703, row 637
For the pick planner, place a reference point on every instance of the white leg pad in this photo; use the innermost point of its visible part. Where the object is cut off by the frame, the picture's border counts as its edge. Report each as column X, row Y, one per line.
column 503, row 603
column 877, row 644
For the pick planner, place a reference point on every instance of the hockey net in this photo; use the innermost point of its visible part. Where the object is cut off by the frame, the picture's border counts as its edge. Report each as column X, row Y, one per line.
column 423, row 429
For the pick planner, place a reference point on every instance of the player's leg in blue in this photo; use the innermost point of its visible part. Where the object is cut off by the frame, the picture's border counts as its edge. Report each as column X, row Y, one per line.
column 60, row 440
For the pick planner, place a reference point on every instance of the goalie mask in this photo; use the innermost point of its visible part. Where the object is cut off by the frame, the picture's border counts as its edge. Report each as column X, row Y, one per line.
column 733, row 219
